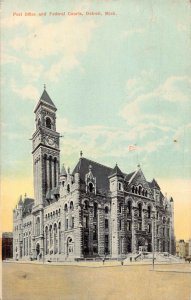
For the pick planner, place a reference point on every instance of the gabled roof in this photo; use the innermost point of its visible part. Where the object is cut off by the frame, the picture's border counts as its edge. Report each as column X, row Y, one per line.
column 116, row 172
column 45, row 99
column 129, row 176
column 99, row 171
column 153, row 184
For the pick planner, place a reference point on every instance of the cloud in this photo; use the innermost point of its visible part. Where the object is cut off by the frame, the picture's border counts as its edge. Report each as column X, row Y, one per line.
column 149, row 103
column 64, row 40
column 26, row 92
column 32, row 71
column 8, row 59
column 131, row 32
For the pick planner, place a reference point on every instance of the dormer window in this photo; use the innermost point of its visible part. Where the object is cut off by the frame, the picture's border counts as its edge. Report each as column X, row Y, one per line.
column 48, row 123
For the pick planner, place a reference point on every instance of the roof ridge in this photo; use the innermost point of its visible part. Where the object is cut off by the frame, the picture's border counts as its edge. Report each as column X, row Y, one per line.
column 97, row 163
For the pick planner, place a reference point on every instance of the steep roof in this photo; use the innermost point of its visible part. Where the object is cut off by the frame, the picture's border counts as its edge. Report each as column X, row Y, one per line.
column 63, row 171
column 45, row 99
column 153, row 184
column 27, row 206
column 100, row 171
column 116, row 172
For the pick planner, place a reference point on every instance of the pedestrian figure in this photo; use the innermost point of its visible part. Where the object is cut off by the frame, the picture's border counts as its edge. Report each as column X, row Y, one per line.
column 122, row 262
column 103, row 260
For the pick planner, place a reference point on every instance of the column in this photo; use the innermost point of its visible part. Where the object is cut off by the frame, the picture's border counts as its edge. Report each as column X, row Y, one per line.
column 47, row 174
column 52, row 165
column 50, row 172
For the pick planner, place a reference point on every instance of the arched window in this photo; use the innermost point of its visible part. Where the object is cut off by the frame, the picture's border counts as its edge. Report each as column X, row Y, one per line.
column 120, row 186
column 129, row 207
column 136, row 190
column 143, row 192
column 95, row 210
column 66, row 207
column 106, row 210
column 140, row 210
column 86, row 205
column 71, row 205
column 48, row 123
column 133, row 189
column 149, row 212
column 140, row 189
column 68, row 188
column 146, row 193
column 91, row 187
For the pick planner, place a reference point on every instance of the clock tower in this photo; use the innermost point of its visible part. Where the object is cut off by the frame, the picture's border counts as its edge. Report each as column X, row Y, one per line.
column 45, row 150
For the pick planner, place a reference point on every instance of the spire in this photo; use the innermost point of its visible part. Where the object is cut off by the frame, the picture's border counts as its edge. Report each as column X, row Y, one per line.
column 20, row 201
column 116, row 171
column 63, row 171
column 46, row 100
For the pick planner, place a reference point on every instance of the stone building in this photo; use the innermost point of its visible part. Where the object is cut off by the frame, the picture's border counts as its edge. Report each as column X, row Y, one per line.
column 94, row 210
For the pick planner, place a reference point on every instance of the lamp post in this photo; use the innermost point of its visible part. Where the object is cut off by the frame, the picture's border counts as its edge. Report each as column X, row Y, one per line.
column 153, row 242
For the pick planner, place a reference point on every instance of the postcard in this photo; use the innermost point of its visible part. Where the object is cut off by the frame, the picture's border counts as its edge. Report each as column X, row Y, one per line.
column 95, row 149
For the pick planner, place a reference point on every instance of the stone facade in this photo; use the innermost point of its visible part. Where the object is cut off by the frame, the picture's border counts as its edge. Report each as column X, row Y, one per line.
column 92, row 211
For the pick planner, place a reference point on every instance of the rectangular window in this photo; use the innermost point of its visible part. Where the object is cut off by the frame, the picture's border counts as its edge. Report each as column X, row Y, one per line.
column 128, row 225
column 85, row 222
column 139, row 226
column 72, row 222
column 106, row 243
column 157, row 229
column 106, row 223
column 120, row 207
column 66, row 227
column 163, row 231
column 95, row 232
column 120, row 224
column 149, row 228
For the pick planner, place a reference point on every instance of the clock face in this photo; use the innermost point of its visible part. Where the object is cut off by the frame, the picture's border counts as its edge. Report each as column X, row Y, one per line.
column 50, row 141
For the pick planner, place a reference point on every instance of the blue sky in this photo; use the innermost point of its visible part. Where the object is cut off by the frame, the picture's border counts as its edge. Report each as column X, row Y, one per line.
column 116, row 81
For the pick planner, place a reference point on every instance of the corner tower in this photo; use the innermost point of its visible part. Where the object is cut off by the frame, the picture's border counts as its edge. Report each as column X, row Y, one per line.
column 46, row 153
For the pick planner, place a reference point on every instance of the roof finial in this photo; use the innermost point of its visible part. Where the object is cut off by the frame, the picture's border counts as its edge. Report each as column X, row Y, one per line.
column 44, row 86
column 25, row 195
column 81, row 153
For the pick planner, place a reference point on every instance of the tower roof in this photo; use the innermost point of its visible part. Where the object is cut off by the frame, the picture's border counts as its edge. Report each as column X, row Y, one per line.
column 116, row 171
column 63, row 171
column 45, row 99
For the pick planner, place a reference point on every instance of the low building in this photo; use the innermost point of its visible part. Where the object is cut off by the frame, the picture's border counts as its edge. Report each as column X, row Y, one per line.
column 182, row 248
column 7, row 245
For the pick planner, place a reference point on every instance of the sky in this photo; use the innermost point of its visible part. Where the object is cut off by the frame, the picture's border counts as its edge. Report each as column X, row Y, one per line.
column 117, row 80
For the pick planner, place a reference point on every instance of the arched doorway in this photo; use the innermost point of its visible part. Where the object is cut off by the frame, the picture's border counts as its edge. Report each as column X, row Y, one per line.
column 70, row 246
column 141, row 244
column 37, row 250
